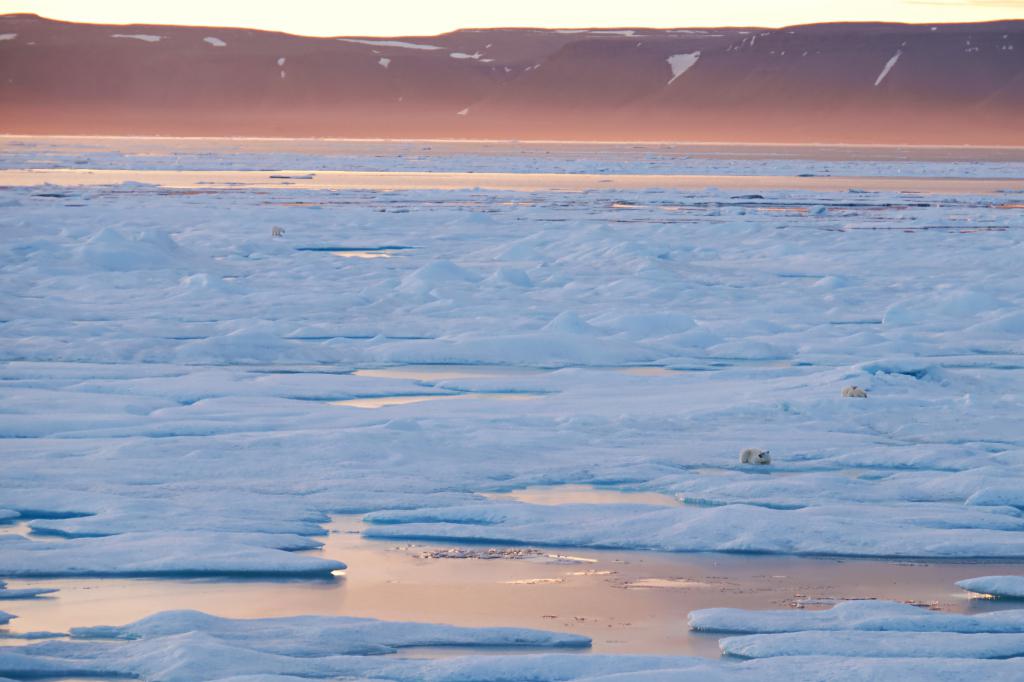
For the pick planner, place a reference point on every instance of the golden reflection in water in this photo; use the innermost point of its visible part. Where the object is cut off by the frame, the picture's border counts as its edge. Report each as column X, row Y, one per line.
column 438, row 372
column 980, row 595
column 361, row 254
column 390, row 400
column 627, row 601
column 443, row 180
column 583, row 494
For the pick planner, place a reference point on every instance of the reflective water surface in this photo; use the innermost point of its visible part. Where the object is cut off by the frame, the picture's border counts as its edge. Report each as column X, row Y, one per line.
column 528, row 182
column 582, row 494
column 628, row 602
column 377, row 402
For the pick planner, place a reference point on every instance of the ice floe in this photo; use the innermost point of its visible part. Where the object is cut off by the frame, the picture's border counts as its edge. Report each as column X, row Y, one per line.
column 875, row 616
column 877, row 645
column 168, row 373
column 189, row 646
column 994, row 585
column 174, row 553
column 7, row 594
column 812, row 530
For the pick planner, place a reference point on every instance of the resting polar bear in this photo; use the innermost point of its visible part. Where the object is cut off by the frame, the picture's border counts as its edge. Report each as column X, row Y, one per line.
column 854, row 392
column 755, row 456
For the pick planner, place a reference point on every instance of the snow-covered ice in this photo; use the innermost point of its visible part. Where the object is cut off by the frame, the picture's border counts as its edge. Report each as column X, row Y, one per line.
column 169, row 372
column 857, row 616
column 185, row 646
column 165, row 554
column 877, row 645
column 995, row 585
column 216, row 42
column 8, row 594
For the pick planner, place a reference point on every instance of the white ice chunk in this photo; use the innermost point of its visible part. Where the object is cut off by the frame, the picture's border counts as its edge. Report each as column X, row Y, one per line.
column 216, row 42
column 835, row 529
column 171, row 553
column 876, row 645
column 996, row 585
column 856, row 615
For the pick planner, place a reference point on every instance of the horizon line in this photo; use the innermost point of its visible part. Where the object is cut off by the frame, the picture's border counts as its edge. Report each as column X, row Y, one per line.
column 473, row 140
column 556, row 29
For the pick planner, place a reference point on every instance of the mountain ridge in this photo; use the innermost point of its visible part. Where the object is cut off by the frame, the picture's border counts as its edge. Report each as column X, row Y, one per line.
column 844, row 82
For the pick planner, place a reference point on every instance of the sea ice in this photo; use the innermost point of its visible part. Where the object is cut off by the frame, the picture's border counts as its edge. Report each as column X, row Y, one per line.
column 880, row 616
column 877, row 645
column 168, row 371
column 996, row 585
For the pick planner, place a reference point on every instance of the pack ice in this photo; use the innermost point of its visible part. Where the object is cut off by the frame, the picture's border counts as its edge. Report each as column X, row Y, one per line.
column 173, row 386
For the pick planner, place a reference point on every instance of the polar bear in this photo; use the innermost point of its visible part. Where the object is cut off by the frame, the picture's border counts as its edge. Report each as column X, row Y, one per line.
column 277, row 232
column 854, row 392
column 755, row 456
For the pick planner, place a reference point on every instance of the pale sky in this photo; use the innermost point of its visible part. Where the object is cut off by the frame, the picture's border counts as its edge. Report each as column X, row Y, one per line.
column 429, row 17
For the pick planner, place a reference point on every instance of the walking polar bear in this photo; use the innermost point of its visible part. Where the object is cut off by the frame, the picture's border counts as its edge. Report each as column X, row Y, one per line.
column 755, row 456
column 854, row 392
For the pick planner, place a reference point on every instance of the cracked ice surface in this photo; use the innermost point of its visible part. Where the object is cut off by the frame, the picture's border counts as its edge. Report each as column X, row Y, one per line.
column 188, row 646
column 169, row 368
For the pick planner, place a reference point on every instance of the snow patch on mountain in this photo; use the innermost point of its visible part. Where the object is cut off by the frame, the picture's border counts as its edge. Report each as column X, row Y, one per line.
column 888, row 67
column 139, row 36
column 681, row 63
column 391, row 43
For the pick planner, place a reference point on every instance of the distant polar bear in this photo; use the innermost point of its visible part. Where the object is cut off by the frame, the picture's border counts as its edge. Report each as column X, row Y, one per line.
column 854, row 392
column 755, row 456
column 277, row 232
